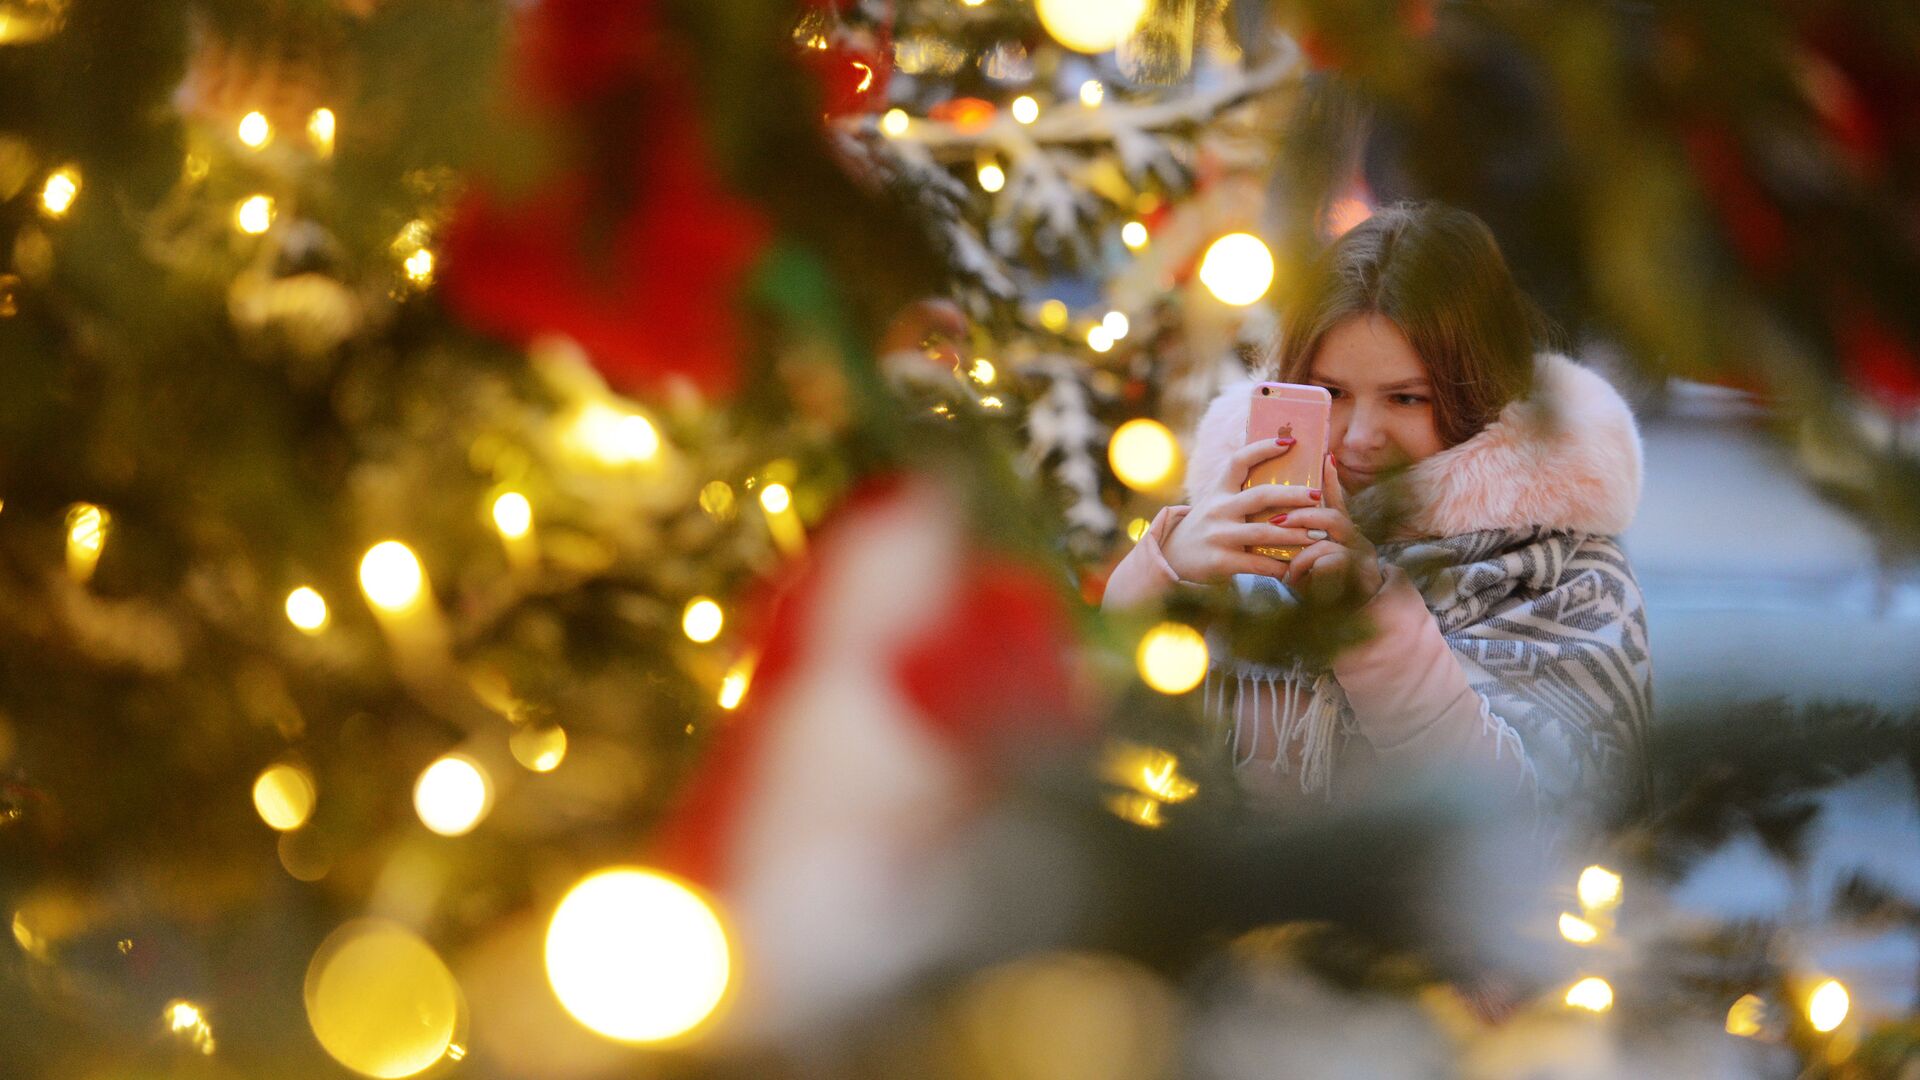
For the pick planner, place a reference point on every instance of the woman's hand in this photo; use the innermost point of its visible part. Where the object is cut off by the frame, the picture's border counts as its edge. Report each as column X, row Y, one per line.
column 1338, row 562
column 1211, row 542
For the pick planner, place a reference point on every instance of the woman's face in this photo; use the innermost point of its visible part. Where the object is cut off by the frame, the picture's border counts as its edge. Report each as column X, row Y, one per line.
column 1382, row 399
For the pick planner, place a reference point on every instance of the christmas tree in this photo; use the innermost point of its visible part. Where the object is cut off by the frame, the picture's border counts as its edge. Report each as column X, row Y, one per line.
column 553, row 540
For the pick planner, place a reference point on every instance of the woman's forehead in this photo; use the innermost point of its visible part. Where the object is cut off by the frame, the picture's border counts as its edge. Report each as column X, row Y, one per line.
column 1367, row 350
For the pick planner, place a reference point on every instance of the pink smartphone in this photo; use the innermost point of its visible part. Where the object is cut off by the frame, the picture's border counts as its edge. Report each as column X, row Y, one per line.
column 1304, row 412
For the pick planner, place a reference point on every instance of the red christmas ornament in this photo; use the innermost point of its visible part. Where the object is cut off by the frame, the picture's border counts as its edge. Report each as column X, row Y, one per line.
column 853, row 61
column 642, row 262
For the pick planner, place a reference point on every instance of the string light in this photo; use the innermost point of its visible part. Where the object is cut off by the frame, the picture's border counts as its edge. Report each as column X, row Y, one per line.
column 992, row 177
column 613, row 436
column 776, row 499
column 321, row 127
column 733, row 686
column 1747, row 1016
column 991, row 402
column 982, row 371
column 419, row 267
column 1599, row 888
column 1025, row 109
column 893, row 123
column 1090, row 26
column 61, row 189
column 86, row 537
column 512, row 515
column 637, row 956
column 307, row 609
column 391, row 576
column 283, row 795
column 1099, row 339
column 1172, row 658
column 1591, row 993
column 1828, row 1005
column 1578, row 930
column 1054, row 315
column 452, row 795
column 255, row 131
column 187, row 1021
column 1134, row 235
column 1143, row 454
column 1237, row 268
column 380, row 1000
column 701, row 620
column 1137, row 528
column 716, row 498
column 1092, row 93
column 1116, row 325
column 254, row 214
column 539, row 748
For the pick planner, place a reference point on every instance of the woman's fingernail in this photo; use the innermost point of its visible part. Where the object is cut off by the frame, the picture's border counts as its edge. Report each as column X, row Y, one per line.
column 1278, row 519
column 1283, row 440
column 1313, row 493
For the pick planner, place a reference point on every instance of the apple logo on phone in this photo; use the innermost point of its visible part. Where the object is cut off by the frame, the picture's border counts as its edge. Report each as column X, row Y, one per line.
column 1285, row 432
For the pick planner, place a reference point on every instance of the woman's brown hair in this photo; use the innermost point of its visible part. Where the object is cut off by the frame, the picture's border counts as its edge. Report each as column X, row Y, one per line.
column 1437, row 272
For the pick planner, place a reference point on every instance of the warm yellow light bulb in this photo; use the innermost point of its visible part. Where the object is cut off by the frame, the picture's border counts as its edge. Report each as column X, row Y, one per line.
column 1137, row 528
column 380, row 1001
column 1828, row 1005
column 1237, row 268
column 637, row 956
column 391, row 576
column 1090, row 26
column 1172, row 658
column 992, row 177
column 982, row 371
column 540, row 748
column 893, row 123
column 716, row 498
column 452, row 795
column 1599, row 888
column 1092, row 93
column 254, row 215
column 321, row 127
column 283, row 795
column 61, row 189
column 255, row 131
column 702, row 619
column 614, row 436
column 1143, row 454
column 512, row 515
column 1025, row 109
column 1099, row 338
column 1116, row 324
column 419, row 267
column 733, row 687
column 1134, row 235
column 1054, row 315
column 1578, row 930
column 776, row 498
column 307, row 609
column 1747, row 1016
column 1591, row 993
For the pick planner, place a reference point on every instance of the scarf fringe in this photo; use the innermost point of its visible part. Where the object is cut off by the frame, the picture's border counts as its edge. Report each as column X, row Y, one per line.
column 1291, row 709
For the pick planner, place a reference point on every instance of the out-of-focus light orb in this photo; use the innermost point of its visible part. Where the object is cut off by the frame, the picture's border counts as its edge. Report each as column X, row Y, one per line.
column 894, row 122
column 539, row 747
column 284, row 795
column 307, row 609
column 982, row 371
column 614, row 436
column 776, row 498
column 1578, row 930
column 87, row 526
column 60, row 191
column 1099, row 338
column 1599, row 888
column 992, row 177
column 1134, row 235
column 1054, row 315
column 717, row 500
column 391, row 577
column 1747, row 1017
column 1090, row 26
column 1172, row 658
column 419, row 267
column 1237, row 269
column 1137, row 528
column 1827, row 1006
column 637, row 955
column 702, row 619
column 1025, row 109
column 1092, row 93
column 189, row 1022
column 512, row 515
column 1591, row 993
column 255, row 131
column 452, row 795
column 1116, row 324
column 254, row 215
column 321, row 128
column 1143, row 454
column 733, row 686
column 380, row 1001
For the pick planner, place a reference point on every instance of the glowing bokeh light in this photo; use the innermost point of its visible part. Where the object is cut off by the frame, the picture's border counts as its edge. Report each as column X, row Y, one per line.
column 1172, row 658
column 391, row 576
column 1827, row 1006
column 255, row 131
column 1025, row 109
column 284, row 796
column 1591, row 993
column 321, row 128
column 540, row 748
column 1143, row 454
column 307, row 609
column 1092, row 93
column 1090, row 26
column 637, row 956
column 254, row 215
column 702, row 619
column 452, row 795
column 992, row 177
column 893, row 123
column 1134, row 235
column 982, row 371
column 512, row 515
column 776, row 498
column 1599, row 888
column 1747, row 1016
column 60, row 191
column 1117, row 325
column 380, row 1000
column 1237, row 269
column 1578, row 930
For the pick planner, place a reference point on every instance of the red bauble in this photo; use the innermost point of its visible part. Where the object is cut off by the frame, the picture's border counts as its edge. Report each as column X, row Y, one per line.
column 853, row 63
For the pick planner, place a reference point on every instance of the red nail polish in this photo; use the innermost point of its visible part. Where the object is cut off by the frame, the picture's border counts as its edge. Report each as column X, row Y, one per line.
column 1277, row 520
column 1283, row 441
column 1313, row 493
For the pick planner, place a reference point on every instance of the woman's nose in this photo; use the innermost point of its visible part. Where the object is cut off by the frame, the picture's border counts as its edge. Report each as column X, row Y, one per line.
column 1360, row 434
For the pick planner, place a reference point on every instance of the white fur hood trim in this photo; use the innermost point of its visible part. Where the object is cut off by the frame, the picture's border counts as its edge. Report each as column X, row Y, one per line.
column 1566, row 458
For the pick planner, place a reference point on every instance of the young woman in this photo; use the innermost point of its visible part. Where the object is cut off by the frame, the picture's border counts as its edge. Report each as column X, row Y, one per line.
column 1473, row 491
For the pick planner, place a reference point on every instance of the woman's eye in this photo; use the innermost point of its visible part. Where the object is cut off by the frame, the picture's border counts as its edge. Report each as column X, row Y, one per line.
column 1333, row 392
column 1410, row 399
